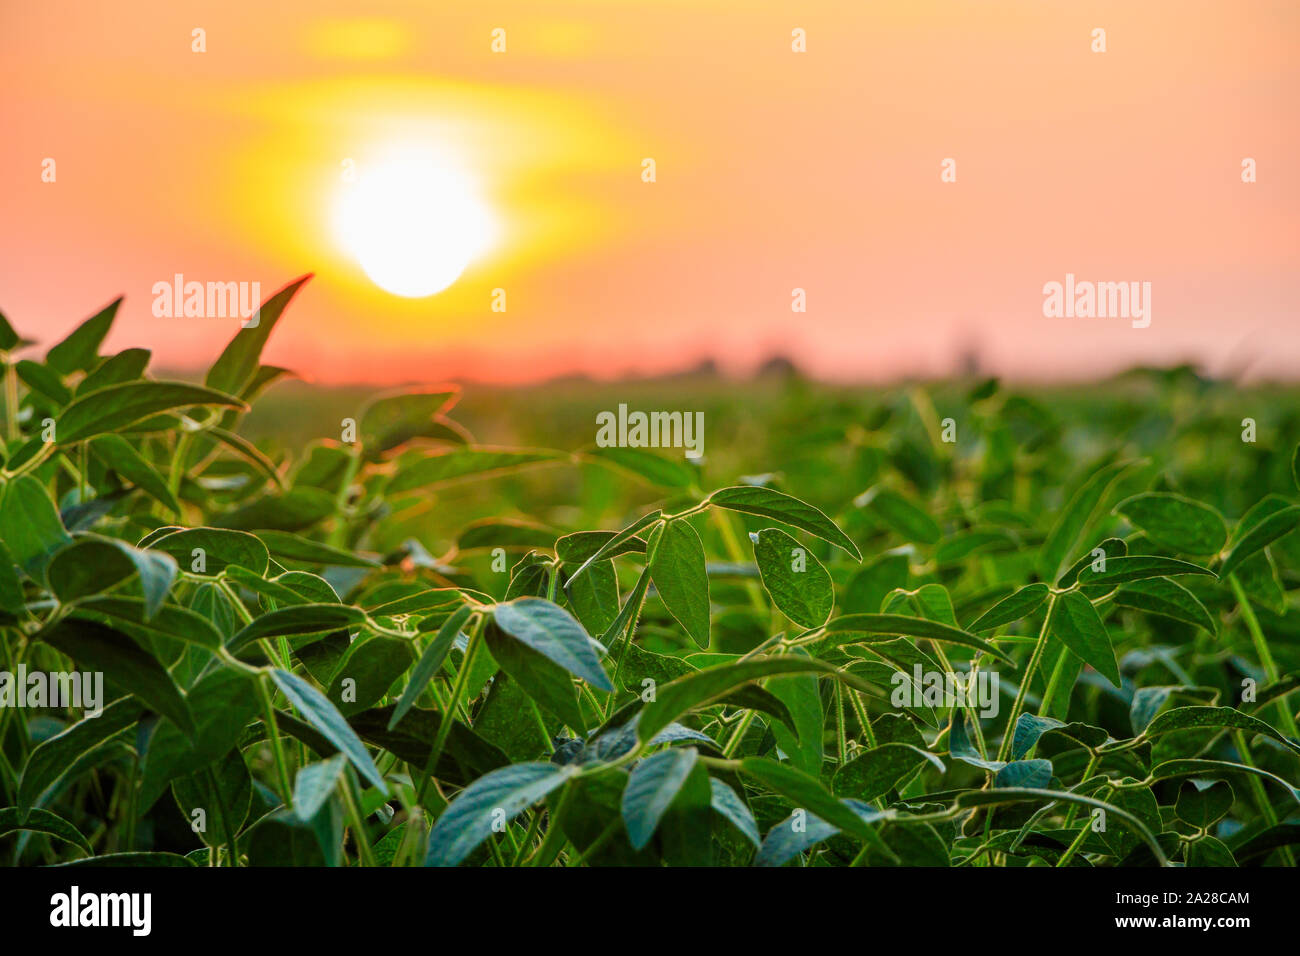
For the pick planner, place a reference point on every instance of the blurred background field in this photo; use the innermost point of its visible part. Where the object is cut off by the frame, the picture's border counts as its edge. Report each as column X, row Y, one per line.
column 1019, row 453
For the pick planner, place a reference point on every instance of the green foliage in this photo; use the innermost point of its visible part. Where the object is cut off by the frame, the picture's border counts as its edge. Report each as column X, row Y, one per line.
column 400, row 646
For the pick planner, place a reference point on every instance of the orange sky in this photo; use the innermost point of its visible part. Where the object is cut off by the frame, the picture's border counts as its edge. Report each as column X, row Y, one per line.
column 775, row 170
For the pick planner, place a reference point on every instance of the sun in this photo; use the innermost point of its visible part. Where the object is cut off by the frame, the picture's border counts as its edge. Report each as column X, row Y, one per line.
column 412, row 220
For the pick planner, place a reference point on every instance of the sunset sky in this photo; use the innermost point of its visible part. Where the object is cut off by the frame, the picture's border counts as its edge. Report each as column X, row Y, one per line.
column 775, row 170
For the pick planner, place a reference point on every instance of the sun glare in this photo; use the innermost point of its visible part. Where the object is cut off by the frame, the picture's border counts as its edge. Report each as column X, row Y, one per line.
column 413, row 221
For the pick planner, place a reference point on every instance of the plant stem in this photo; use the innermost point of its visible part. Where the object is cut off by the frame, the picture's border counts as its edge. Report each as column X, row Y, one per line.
column 554, row 840
column 526, row 844
column 605, row 836
column 1073, row 809
column 1257, row 789
column 11, row 399
column 177, row 471
column 737, row 554
column 341, row 497
column 273, row 735
column 841, row 736
column 231, row 845
column 1008, row 735
column 449, row 714
column 1265, row 655
column 1074, row 847
column 353, row 810
column 860, row 708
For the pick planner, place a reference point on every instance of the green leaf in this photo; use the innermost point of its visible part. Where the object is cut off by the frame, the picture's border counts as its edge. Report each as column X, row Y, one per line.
column 30, row 526
column 79, row 351
column 1192, row 767
column 125, row 366
column 694, row 690
column 297, row 619
column 798, row 583
column 469, row 819
column 801, row 695
column 785, row 841
column 9, row 339
column 1109, row 548
column 665, row 472
column 1030, row 729
column 1166, row 598
column 651, row 787
column 430, row 661
column 1021, row 604
column 96, row 647
column 294, row 510
column 43, row 821
column 852, row 628
column 1175, row 522
column 132, row 615
column 117, row 454
column 211, row 550
column 369, row 667
column 508, row 533
column 1260, row 534
column 807, row 793
column 1208, row 851
column 1203, row 803
column 246, row 450
column 286, row 546
column 677, row 566
column 554, row 633
column 1004, row 795
column 594, row 598
column 91, row 564
column 1138, row 567
column 120, row 406
column 43, row 380
column 53, row 758
column 11, row 587
column 223, row 791
column 1065, row 537
column 616, row 543
column 510, row 719
column 577, row 548
column 769, row 503
column 223, row 701
column 238, row 363
column 120, row 860
column 874, row 772
column 314, row 784
column 317, row 710
column 1024, row 773
column 1075, row 622
column 734, row 810
column 904, row 517
column 459, row 464
column 392, row 420
column 1185, row 718
column 548, row 684
column 1257, row 849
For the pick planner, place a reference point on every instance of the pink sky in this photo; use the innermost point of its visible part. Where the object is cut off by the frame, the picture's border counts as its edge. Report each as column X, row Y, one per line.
column 775, row 170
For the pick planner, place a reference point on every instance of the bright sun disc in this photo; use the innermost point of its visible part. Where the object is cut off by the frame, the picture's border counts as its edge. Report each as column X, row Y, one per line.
column 412, row 222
